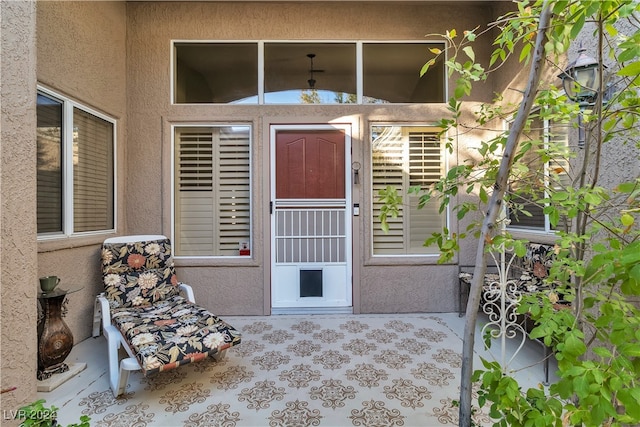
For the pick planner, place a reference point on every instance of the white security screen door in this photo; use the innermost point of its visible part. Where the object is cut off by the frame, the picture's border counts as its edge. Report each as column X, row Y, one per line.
column 310, row 218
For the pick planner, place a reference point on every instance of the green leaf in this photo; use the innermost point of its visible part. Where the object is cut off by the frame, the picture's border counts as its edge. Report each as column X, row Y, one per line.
column 426, row 66
column 525, row 52
column 574, row 345
column 632, row 69
column 627, row 220
column 484, row 197
column 469, row 51
column 560, row 196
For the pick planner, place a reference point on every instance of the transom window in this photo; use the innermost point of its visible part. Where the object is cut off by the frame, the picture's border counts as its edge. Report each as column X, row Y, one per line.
column 306, row 73
column 404, row 157
column 75, row 168
column 212, row 190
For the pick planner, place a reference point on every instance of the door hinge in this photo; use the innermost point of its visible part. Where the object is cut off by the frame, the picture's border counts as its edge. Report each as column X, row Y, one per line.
column 270, row 208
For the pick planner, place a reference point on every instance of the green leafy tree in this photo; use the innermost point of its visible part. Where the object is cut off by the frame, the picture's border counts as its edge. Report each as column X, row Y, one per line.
column 597, row 342
column 310, row 96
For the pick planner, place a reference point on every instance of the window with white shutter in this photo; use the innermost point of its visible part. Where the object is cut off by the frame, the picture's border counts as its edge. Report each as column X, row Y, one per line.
column 404, row 157
column 75, row 168
column 212, row 190
column 533, row 174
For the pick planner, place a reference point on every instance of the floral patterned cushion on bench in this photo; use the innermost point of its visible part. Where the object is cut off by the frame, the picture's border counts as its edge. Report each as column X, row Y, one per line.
column 532, row 269
column 489, row 278
column 172, row 332
column 139, row 273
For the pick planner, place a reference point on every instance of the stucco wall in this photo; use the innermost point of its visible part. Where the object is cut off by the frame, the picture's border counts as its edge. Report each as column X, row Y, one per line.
column 18, row 259
column 81, row 55
column 241, row 286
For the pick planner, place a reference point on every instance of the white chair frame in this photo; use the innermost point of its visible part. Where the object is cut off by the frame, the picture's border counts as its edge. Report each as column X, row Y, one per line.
column 119, row 369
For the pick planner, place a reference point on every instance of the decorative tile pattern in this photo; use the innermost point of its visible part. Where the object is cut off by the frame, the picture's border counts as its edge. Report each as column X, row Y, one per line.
column 296, row 414
column 261, row 395
column 367, row 375
column 407, row 393
column 135, row 415
column 186, row 395
column 277, row 337
column 332, row 359
column 374, row 414
column 332, row 393
column 300, row 376
column 327, row 336
column 98, row 402
column 215, row 415
column 322, row 370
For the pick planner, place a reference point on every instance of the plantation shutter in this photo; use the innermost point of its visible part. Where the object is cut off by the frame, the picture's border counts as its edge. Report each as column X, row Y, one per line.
column 403, row 157
column 425, row 168
column 212, row 191
column 92, row 173
column 387, row 164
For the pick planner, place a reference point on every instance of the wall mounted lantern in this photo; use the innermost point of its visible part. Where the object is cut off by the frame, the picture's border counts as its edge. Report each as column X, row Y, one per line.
column 580, row 81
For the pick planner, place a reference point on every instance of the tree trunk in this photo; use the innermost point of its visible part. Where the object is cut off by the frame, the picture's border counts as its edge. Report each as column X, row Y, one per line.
column 494, row 209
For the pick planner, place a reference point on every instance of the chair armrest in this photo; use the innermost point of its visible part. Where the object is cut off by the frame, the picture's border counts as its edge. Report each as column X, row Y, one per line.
column 104, row 308
column 188, row 292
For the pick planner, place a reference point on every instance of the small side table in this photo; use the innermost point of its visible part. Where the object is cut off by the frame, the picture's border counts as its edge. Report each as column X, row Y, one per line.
column 55, row 339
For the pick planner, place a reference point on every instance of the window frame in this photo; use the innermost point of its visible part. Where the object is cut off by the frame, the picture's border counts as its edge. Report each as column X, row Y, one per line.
column 174, row 204
column 261, row 67
column 445, row 215
column 68, row 220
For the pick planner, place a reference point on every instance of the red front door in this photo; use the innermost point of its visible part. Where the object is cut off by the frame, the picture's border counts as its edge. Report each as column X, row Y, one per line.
column 310, row 164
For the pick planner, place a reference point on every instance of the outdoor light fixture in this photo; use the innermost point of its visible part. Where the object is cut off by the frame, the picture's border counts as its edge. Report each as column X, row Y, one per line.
column 580, row 81
column 312, row 81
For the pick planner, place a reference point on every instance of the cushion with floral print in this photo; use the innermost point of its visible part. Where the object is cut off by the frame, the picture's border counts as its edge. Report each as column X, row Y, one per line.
column 172, row 332
column 138, row 273
column 489, row 278
column 533, row 268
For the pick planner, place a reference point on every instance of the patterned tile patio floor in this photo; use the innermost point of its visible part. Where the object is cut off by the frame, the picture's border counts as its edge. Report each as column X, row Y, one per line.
column 297, row 370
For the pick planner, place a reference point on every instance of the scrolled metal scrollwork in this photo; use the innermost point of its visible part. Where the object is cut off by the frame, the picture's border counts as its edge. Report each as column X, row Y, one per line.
column 500, row 300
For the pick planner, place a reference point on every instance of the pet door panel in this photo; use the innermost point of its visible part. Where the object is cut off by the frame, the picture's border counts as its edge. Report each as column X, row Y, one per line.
column 310, row 283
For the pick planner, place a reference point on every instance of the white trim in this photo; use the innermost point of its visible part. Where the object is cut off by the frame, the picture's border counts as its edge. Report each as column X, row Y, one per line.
column 445, row 164
column 172, row 215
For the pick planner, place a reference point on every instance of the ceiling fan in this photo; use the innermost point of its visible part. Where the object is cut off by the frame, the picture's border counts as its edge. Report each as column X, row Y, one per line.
column 312, row 81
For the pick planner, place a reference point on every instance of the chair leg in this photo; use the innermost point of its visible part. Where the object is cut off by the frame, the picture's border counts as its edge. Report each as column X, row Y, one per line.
column 220, row 356
column 97, row 318
column 118, row 373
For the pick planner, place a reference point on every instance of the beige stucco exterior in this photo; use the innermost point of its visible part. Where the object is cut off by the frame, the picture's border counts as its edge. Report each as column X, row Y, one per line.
column 116, row 58
column 18, row 251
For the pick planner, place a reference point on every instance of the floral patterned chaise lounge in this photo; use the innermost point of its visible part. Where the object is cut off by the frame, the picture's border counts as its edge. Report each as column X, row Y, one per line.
column 153, row 316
